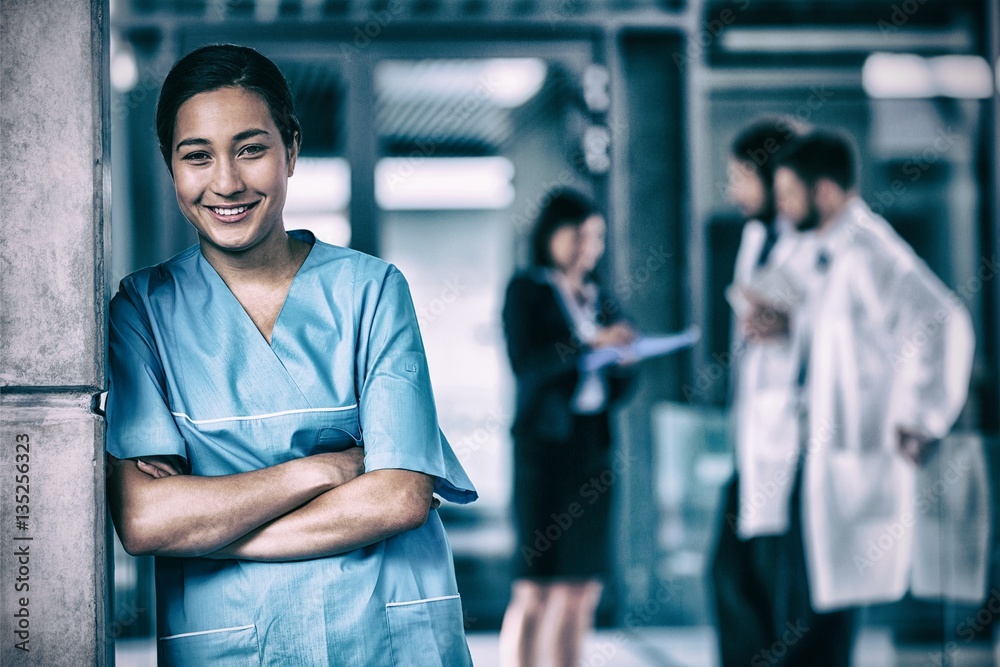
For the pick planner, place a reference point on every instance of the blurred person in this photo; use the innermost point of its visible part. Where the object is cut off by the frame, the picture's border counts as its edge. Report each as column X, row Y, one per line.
column 271, row 431
column 554, row 313
column 886, row 355
column 751, row 589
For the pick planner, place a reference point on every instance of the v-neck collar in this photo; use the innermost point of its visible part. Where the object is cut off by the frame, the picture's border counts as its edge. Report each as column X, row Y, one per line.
column 213, row 275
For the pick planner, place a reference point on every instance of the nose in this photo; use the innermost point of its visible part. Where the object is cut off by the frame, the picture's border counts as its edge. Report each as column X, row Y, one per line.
column 227, row 179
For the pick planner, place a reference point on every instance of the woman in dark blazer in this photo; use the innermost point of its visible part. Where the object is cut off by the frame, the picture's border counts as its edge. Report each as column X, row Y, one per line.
column 554, row 313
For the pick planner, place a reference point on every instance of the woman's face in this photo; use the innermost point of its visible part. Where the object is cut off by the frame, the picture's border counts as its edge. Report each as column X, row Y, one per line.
column 591, row 239
column 564, row 246
column 230, row 168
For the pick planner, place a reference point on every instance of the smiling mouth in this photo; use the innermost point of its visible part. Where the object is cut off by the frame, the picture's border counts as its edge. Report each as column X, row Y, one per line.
column 232, row 211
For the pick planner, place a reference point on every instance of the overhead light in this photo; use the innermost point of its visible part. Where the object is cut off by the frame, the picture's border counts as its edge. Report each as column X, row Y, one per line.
column 514, row 81
column 964, row 77
column 317, row 199
column 842, row 40
column 897, row 76
column 507, row 82
column 319, row 185
column 444, row 183
column 906, row 75
column 597, row 88
column 597, row 149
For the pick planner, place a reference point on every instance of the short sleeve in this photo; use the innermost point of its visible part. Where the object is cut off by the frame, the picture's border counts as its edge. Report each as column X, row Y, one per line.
column 138, row 417
column 399, row 424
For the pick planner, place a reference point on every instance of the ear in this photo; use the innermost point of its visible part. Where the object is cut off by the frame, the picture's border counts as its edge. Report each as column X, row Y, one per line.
column 293, row 154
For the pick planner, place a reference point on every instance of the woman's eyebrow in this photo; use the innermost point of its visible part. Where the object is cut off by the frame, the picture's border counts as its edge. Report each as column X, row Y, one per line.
column 198, row 141
column 194, row 141
column 246, row 134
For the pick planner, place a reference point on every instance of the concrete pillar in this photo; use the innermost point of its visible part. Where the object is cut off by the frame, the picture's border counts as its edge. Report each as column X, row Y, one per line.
column 53, row 183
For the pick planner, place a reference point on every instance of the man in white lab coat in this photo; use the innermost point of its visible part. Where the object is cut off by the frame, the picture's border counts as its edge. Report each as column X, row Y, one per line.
column 886, row 358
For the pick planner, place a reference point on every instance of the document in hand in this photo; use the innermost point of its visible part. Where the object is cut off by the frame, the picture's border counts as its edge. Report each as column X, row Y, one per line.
column 772, row 287
column 644, row 347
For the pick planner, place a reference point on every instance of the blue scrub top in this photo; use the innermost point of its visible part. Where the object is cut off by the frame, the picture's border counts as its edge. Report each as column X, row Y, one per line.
column 190, row 375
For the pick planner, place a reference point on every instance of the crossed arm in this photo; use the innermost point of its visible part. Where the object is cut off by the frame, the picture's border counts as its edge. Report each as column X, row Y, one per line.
column 305, row 508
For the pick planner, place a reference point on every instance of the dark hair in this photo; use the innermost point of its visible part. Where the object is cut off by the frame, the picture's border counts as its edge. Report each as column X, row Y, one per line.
column 763, row 140
column 761, row 144
column 562, row 207
column 225, row 66
column 823, row 154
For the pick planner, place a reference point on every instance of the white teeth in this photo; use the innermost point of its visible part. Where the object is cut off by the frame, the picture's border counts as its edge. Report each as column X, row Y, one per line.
column 230, row 211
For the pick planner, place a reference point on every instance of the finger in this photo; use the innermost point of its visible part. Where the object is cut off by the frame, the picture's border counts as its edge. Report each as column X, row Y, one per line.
column 146, row 468
column 164, row 468
column 156, row 472
column 152, row 470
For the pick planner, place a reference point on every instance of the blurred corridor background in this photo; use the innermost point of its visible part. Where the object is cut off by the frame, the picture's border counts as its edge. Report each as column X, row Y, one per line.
column 432, row 130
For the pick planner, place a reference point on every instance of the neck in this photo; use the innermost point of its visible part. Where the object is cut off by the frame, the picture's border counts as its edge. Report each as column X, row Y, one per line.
column 831, row 217
column 277, row 256
column 573, row 276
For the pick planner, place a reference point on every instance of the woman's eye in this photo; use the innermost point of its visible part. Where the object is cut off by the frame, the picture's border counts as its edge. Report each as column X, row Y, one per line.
column 253, row 151
column 197, row 156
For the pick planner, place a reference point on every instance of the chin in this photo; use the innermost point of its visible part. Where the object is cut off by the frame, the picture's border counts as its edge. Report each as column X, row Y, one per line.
column 233, row 241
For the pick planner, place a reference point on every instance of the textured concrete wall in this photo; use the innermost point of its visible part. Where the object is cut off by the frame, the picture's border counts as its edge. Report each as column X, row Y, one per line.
column 50, row 143
column 52, row 295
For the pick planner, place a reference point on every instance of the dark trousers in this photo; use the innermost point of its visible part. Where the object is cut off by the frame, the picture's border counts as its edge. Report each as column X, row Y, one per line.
column 763, row 614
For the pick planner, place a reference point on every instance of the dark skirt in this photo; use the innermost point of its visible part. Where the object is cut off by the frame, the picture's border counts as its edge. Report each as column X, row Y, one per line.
column 562, row 503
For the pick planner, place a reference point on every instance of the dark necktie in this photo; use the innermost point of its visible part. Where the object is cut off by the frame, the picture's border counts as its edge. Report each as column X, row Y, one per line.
column 822, row 264
column 769, row 241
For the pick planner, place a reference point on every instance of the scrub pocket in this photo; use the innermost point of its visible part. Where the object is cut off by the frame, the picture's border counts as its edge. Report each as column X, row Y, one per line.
column 336, row 431
column 428, row 633
column 226, row 647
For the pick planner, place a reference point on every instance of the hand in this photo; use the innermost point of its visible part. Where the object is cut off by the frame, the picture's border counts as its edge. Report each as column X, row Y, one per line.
column 914, row 446
column 764, row 322
column 342, row 467
column 617, row 335
column 160, row 466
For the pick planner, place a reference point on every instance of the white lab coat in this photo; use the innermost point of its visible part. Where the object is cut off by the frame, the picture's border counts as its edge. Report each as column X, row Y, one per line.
column 890, row 346
column 951, row 536
column 766, row 401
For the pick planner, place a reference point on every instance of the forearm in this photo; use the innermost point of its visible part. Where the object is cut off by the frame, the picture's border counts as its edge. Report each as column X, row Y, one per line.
column 189, row 515
column 932, row 360
column 368, row 509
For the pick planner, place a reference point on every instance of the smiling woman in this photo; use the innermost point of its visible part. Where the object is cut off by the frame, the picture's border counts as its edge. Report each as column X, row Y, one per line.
column 231, row 169
column 244, row 374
